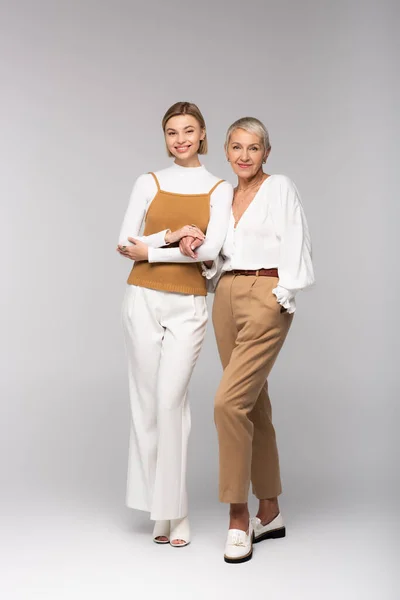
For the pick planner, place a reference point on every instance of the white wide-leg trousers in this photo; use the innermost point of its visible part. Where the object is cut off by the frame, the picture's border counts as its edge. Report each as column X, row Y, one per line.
column 164, row 333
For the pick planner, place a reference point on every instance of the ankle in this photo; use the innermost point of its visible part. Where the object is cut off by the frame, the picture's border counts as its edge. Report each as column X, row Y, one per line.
column 238, row 510
column 239, row 517
column 268, row 510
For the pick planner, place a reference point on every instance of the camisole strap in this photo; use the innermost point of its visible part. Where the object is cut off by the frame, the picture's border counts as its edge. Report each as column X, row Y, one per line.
column 215, row 186
column 156, row 180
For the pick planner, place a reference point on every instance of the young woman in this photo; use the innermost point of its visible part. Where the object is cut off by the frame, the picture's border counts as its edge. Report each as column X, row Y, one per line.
column 265, row 260
column 165, row 315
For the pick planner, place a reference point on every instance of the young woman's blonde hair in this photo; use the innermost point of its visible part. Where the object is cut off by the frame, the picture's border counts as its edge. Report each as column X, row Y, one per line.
column 187, row 108
column 252, row 125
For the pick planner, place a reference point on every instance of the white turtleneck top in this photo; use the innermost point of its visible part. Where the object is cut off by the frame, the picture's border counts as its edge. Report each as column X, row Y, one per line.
column 179, row 180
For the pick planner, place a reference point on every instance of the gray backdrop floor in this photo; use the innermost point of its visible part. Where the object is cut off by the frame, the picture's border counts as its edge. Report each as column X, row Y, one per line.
column 69, row 553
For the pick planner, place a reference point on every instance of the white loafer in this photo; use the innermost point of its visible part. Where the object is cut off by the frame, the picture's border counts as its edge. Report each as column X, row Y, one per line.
column 273, row 530
column 161, row 529
column 239, row 545
column 180, row 530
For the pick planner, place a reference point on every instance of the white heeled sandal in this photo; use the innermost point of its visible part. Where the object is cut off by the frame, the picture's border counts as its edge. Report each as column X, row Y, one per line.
column 161, row 529
column 180, row 530
column 239, row 545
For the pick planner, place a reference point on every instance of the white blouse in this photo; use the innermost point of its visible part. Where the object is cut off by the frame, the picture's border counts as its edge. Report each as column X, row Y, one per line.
column 272, row 233
column 181, row 180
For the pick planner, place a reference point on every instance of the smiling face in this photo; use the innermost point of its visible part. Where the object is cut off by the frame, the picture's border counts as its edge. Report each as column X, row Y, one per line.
column 183, row 135
column 246, row 153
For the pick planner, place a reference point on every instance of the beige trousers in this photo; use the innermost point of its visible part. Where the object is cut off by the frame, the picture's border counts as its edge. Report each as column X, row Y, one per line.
column 250, row 330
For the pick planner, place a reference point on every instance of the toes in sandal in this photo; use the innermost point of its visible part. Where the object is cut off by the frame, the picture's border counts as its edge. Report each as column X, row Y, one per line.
column 180, row 532
column 161, row 532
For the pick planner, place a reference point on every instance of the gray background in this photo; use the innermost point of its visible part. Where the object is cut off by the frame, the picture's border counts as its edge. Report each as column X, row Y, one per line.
column 84, row 87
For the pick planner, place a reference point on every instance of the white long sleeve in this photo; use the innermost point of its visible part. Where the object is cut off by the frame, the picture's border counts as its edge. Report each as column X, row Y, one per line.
column 220, row 208
column 272, row 233
column 295, row 264
column 142, row 195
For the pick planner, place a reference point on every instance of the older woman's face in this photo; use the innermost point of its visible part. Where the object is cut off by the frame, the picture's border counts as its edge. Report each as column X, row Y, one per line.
column 246, row 153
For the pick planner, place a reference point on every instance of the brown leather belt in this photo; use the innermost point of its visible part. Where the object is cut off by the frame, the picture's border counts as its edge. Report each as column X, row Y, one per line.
column 257, row 273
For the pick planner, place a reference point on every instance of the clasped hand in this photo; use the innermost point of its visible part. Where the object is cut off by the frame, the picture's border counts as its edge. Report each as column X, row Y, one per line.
column 137, row 252
column 188, row 246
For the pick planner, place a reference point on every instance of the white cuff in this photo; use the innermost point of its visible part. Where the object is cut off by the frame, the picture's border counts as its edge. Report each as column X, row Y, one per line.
column 286, row 298
column 150, row 254
column 154, row 240
column 157, row 240
column 164, row 234
column 209, row 273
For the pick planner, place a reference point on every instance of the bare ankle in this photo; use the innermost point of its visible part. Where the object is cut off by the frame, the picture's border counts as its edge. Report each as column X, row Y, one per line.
column 238, row 510
column 239, row 517
column 268, row 510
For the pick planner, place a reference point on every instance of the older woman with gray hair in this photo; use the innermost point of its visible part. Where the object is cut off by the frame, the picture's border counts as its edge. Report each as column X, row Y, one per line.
column 265, row 260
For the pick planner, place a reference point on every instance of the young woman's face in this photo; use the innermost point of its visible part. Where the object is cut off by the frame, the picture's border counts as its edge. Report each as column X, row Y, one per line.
column 183, row 135
column 246, row 153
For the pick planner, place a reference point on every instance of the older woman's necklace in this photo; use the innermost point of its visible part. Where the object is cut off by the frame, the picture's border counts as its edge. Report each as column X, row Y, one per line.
column 255, row 184
column 242, row 198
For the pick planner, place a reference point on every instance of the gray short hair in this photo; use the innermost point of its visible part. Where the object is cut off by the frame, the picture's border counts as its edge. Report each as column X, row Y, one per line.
column 252, row 125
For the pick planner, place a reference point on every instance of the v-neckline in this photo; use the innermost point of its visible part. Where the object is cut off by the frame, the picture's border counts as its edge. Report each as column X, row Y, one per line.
column 235, row 224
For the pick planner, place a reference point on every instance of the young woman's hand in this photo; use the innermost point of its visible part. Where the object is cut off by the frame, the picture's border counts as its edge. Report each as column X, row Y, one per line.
column 188, row 246
column 139, row 250
column 188, row 230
